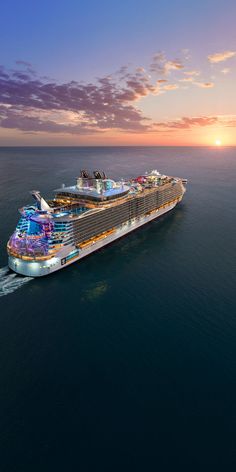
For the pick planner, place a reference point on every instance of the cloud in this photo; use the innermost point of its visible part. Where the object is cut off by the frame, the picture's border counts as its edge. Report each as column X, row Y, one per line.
column 163, row 66
column 231, row 123
column 225, row 71
column 172, row 65
column 204, row 84
column 186, row 53
column 170, row 87
column 228, row 120
column 136, row 86
column 23, row 63
column 187, row 79
column 220, row 56
column 3, row 73
column 13, row 119
column 109, row 103
column 192, row 72
column 32, row 103
column 140, row 69
column 187, row 123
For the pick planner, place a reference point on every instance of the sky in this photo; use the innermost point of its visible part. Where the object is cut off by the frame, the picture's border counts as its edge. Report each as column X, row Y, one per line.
column 144, row 72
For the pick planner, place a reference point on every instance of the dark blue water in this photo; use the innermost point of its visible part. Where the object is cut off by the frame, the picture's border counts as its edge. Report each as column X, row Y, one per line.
column 127, row 359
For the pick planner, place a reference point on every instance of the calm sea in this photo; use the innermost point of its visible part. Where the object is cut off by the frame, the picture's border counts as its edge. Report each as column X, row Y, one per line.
column 125, row 361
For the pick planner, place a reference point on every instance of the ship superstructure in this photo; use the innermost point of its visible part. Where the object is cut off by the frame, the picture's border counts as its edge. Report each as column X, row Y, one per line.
column 85, row 217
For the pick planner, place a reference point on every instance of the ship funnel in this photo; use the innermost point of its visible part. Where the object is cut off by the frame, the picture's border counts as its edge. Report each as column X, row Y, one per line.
column 41, row 203
column 85, row 174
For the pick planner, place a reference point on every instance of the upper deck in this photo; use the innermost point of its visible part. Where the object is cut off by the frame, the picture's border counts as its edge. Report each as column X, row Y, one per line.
column 97, row 188
column 94, row 193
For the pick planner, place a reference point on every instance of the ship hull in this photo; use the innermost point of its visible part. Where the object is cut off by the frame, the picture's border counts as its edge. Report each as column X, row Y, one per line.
column 64, row 258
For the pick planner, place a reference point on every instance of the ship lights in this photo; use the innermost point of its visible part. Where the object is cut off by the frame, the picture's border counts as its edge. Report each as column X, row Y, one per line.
column 58, row 215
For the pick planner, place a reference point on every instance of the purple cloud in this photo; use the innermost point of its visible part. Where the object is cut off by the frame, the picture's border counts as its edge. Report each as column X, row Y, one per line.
column 23, row 63
column 14, row 120
column 32, row 103
column 105, row 104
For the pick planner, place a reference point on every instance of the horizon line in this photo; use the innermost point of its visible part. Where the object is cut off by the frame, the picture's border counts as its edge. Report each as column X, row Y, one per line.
column 120, row 146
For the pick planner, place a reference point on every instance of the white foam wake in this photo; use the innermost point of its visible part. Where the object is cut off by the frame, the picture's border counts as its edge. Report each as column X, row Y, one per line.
column 3, row 271
column 9, row 282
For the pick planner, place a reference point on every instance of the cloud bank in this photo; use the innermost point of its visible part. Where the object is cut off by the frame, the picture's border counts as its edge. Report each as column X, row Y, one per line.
column 33, row 104
column 28, row 102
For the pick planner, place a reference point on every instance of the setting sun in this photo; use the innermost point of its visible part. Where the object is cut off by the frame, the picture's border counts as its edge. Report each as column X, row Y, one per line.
column 218, row 142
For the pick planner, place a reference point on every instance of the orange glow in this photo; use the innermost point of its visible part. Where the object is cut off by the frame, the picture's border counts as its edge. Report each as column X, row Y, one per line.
column 197, row 136
column 218, row 142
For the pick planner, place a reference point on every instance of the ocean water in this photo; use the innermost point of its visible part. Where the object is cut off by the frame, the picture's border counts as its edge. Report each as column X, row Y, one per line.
column 127, row 359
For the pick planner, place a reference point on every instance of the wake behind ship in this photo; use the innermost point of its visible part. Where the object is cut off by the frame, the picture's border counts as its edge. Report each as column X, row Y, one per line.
column 85, row 217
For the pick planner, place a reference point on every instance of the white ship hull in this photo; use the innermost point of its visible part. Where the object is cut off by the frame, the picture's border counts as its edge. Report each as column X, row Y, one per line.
column 41, row 268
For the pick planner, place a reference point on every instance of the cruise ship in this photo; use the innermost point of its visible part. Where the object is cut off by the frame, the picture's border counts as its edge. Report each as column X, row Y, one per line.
column 84, row 217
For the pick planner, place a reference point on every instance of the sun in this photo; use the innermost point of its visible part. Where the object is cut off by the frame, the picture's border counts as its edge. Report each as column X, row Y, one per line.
column 218, row 142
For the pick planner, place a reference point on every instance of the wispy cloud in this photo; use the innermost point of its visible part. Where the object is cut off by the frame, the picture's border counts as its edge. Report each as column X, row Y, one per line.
column 171, row 87
column 228, row 120
column 225, row 71
column 172, row 65
column 205, row 85
column 187, row 79
column 220, row 56
column 186, row 53
column 161, row 65
column 24, row 63
column 188, row 122
column 192, row 72
column 231, row 123
column 195, row 122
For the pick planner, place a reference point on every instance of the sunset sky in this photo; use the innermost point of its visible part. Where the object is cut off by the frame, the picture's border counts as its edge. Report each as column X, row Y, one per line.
column 142, row 72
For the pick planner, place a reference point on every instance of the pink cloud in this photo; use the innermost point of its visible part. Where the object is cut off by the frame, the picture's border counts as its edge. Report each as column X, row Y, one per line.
column 220, row 56
column 192, row 72
column 170, row 87
column 163, row 66
column 186, row 123
column 204, row 84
